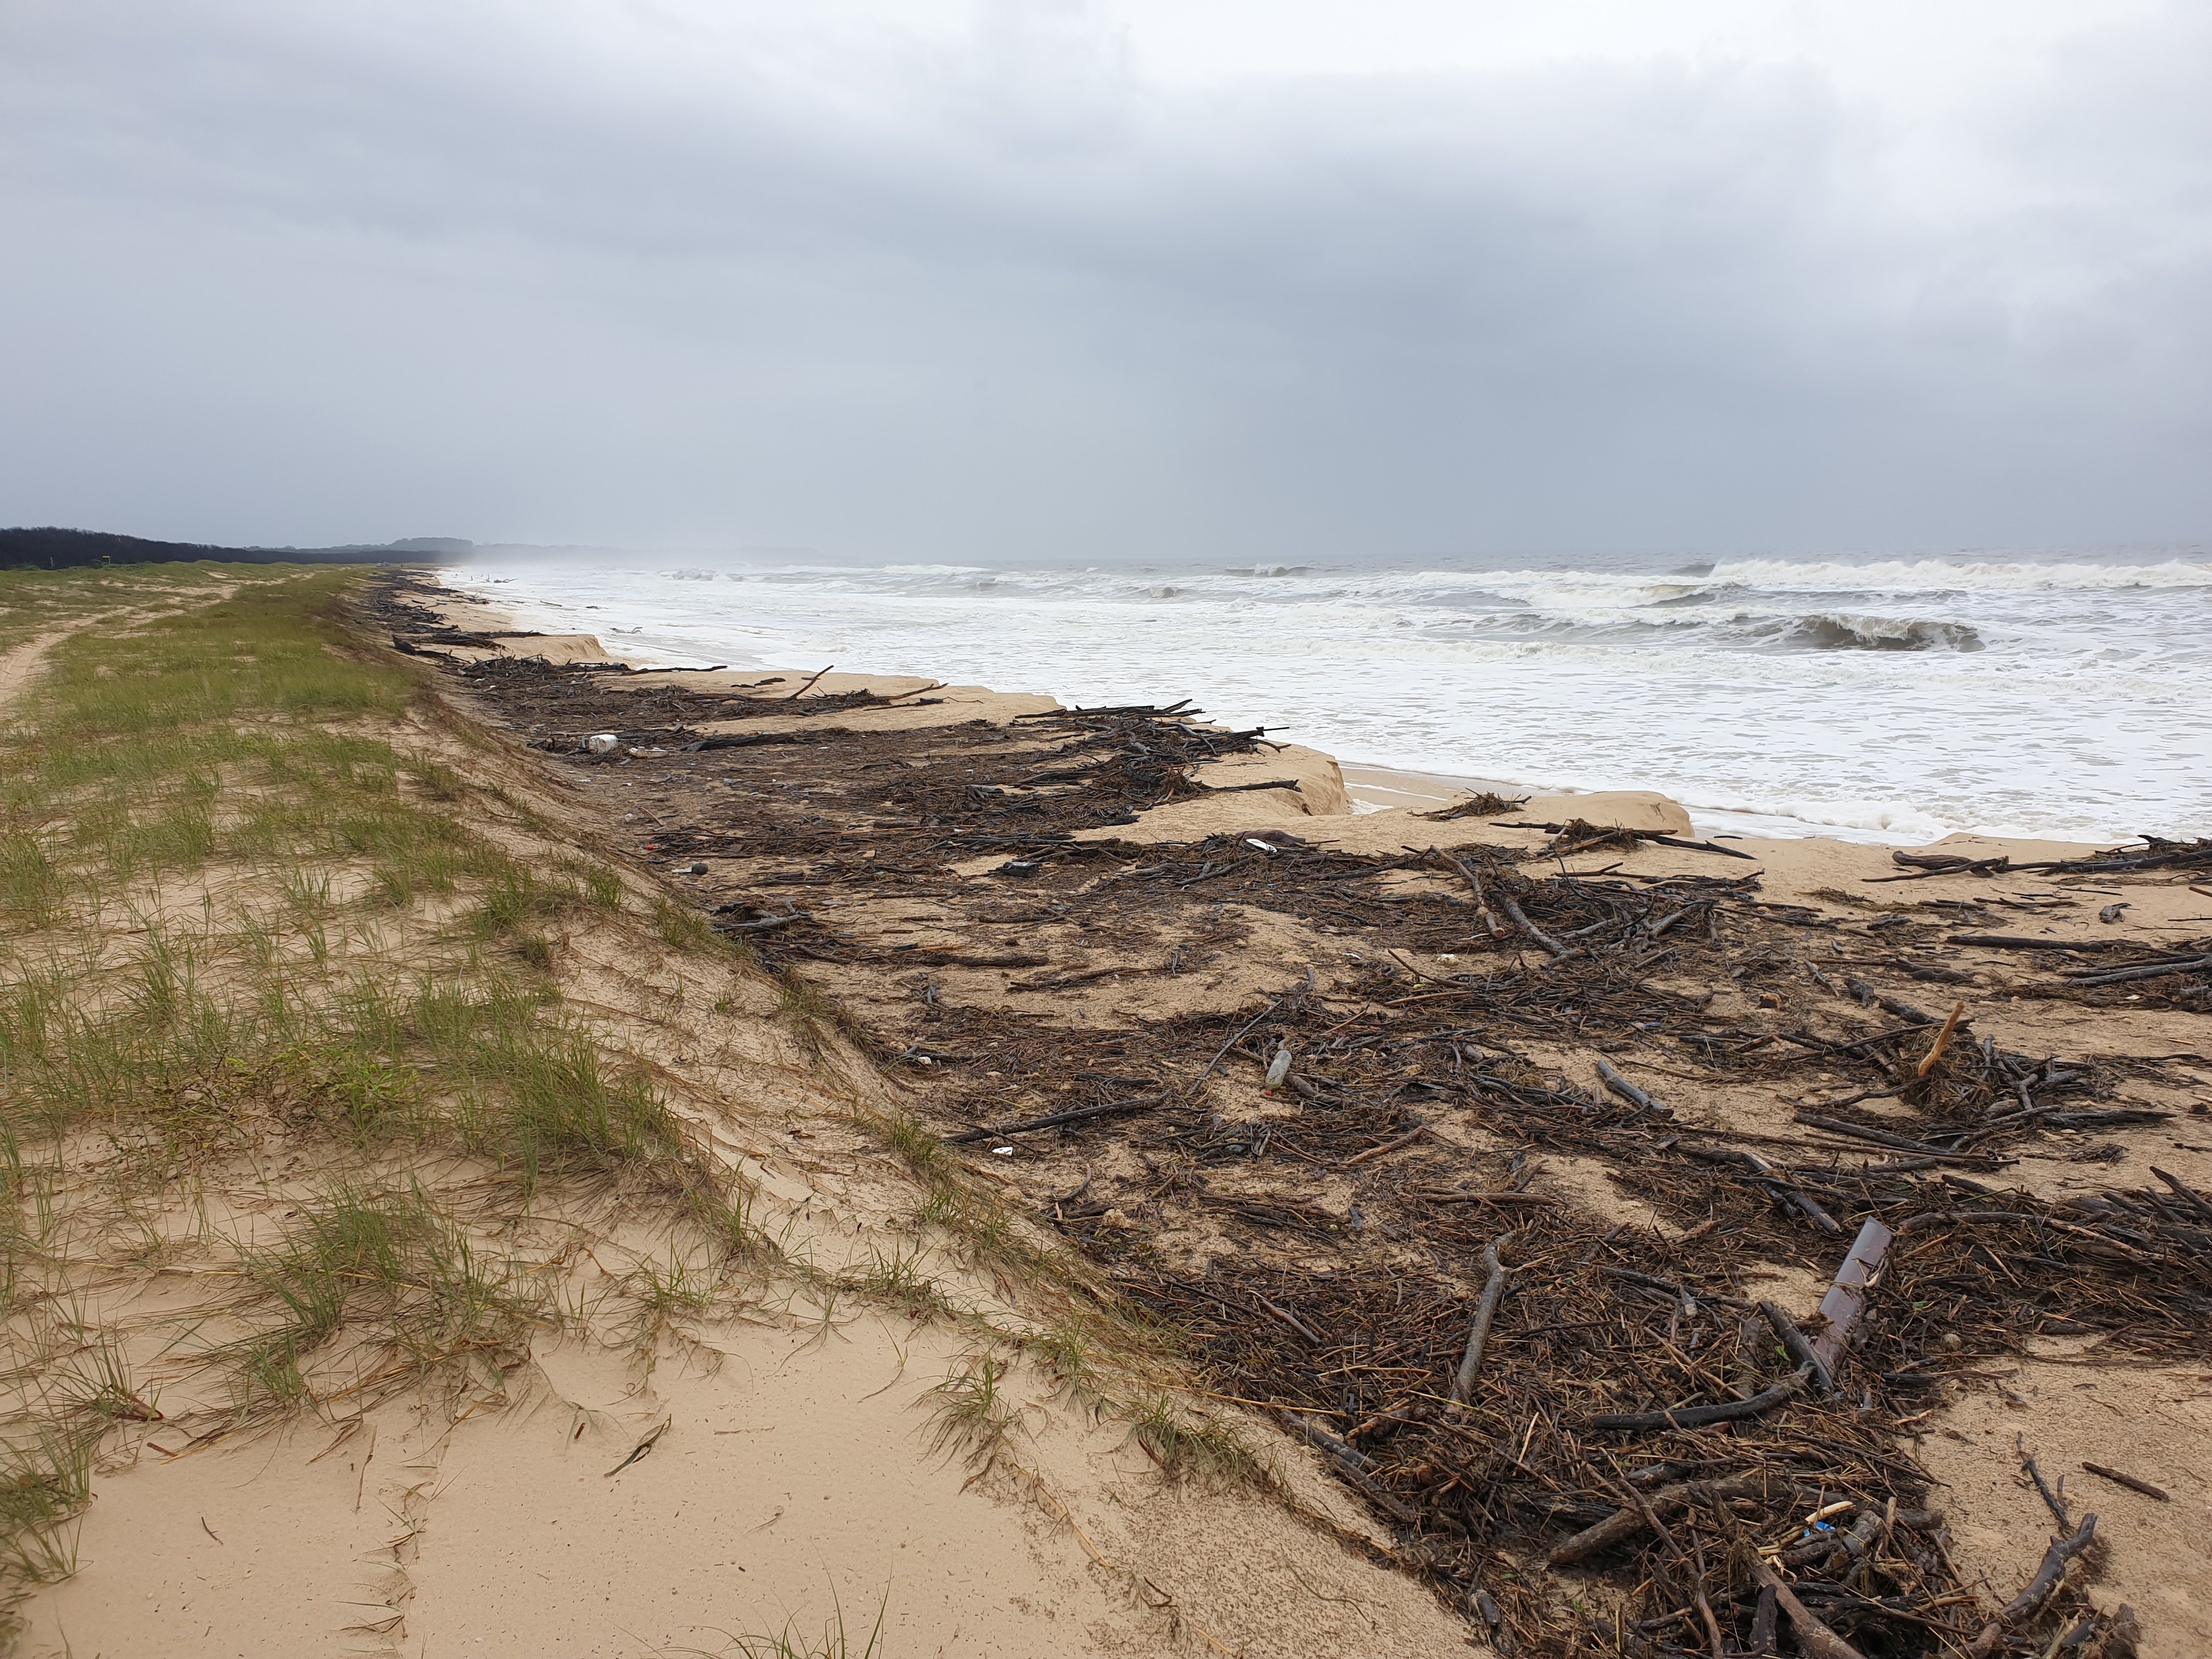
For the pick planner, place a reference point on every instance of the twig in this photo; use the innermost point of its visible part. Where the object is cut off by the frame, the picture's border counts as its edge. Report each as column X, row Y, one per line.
column 1686, row 1293
column 2047, row 1576
column 1273, row 1003
column 1487, row 921
column 1080, row 1114
column 1837, row 1126
column 1696, row 1416
column 2053, row 1501
column 1815, row 1637
column 2184, row 1193
column 1373, row 1152
column 1704, row 1606
column 1943, row 1040
column 1288, row 1318
column 2129, row 1482
column 1479, row 1333
column 801, row 692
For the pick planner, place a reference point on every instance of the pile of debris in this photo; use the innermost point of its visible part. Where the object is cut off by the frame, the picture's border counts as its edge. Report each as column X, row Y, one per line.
column 1597, row 1436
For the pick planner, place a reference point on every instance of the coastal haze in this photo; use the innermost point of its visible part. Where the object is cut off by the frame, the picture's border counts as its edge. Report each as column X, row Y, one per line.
column 1003, row 282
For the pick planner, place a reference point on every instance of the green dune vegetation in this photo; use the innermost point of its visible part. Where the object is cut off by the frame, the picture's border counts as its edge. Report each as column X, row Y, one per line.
column 369, row 1131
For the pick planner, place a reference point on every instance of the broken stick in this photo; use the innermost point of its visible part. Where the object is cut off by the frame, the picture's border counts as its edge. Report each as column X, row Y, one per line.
column 1696, row 1416
column 2046, row 1578
column 1479, row 1333
column 2130, row 1482
column 1627, row 1091
column 1815, row 1637
column 1943, row 1040
column 1794, row 1345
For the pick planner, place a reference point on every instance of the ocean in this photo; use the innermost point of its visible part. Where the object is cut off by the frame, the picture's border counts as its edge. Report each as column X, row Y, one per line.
column 1890, row 699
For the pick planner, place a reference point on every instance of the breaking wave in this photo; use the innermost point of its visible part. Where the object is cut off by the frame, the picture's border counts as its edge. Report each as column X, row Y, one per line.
column 1750, row 686
column 1830, row 631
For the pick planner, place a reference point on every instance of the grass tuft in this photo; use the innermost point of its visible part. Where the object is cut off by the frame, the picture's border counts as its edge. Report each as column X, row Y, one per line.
column 971, row 1414
column 1185, row 1447
column 900, row 1281
column 683, row 928
column 46, row 1483
column 389, row 1264
column 835, row 1642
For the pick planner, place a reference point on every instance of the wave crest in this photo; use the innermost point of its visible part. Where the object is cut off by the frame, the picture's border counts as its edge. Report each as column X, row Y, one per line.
column 1826, row 630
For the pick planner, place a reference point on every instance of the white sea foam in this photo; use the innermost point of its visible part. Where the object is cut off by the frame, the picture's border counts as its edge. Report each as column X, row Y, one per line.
column 1888, row 701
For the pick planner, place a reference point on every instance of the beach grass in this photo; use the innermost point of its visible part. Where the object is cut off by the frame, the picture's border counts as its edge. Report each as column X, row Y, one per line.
column 277, row 942
column 246, row 922
column 388, row 1268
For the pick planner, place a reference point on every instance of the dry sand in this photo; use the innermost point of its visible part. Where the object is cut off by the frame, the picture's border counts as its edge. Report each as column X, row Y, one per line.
column 801, row 1478
column 799, row 1465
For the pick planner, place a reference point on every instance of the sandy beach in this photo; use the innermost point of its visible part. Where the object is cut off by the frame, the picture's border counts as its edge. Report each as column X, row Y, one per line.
column 1840, row 938
column 1074, row 1321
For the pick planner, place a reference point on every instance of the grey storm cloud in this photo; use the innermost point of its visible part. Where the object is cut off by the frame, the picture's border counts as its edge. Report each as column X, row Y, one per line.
column 594, row 271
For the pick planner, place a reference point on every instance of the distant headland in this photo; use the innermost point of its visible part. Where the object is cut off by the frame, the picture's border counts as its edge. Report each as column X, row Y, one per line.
column 49, row 547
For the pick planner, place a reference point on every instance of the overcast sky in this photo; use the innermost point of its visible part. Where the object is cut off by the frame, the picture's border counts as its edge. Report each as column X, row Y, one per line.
column 1039, row 279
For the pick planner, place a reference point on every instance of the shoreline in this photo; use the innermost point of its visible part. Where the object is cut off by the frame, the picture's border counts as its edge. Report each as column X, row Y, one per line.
column 1777, row 746
column 1022, row 935
column 1390, row 794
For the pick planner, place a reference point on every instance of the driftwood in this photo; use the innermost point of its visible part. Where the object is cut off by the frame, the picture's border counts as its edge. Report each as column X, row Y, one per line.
column 1696, row 1416
column 1815, row 1637
column 1080, row 1115
column 1836, row 1125
column 1846, row 1297
column 1936, row 864
column 2151, row 971
column 879, row 820
column 1794, row 1345
column 2046, row 1578
column 1478, row 1334
column 1507, row 1199
column 1625, row 1524
column 1627, row 1091
column 1514, row 913
column 759, row 924
column 1349, row 1461
column 1762, row 1624
column 2015, row 942
column 1061, row 981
